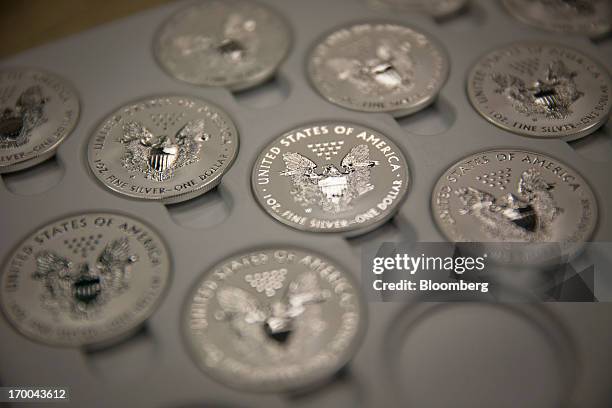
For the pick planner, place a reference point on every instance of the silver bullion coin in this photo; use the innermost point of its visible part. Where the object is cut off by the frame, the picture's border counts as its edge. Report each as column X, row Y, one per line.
column 379, row 67
column 541, row 90
column 37, row 111
column 508, row 195
column 167, row 148
column 85, row 280
column 587, row 17
column 331, row 177
column 274, row 320
column 434, row 8
column 232, row 43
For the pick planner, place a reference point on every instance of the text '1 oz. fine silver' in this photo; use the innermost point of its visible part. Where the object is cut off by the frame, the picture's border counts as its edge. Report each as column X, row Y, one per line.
column 85, row 280
column 508, row 195
column 379, row 67
column 167, row 148
column 232, row 43
column 37, row 111
column 274, row 320
column 331, row 177
column 541, row 90
column 592, row 18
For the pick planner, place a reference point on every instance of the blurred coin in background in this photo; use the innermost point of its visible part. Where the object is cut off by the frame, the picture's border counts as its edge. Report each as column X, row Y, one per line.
column 232, row 43
column 592, row 18
column 274, row 319
column 37, row 111
column 376, row 67
column 541, row 90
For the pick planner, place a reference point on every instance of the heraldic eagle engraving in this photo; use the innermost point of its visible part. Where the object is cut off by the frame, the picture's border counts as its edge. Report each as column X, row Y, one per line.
column 332, row 189
column 158, row 156
column 80, row 289
column 549, row 98
column 16, row 124
column 279, row 329
column 526, row 216
column 390, row 70
column 237, row 42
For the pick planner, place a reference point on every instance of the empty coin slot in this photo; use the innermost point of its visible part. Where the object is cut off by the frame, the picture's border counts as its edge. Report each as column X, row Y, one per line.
column 271, row 93
column 433, row 120
column 596, row 146
column 470, row 17
column 476, row 354
column 204, row 211
column 125, row 361
column 36, row 179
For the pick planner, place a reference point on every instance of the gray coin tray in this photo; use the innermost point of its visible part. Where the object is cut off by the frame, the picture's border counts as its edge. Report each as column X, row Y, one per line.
column 114, row 64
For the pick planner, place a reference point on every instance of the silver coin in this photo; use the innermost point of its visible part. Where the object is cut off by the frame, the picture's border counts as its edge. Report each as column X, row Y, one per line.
column 84, row 280
column 434, row 8
column 233, row 43
column 167, row 148
column 274, row 319
column 37, row 111
column 541, row 90
column 508, row 195
column 379, row 68
column 331, row 177
column 587, row 17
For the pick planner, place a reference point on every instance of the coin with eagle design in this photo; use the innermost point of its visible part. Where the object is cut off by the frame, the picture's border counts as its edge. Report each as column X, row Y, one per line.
column 541, row 90
column 85, row 280
column 331, row 177
column 586, row 17
column 167, row 148
column 379, row 68
column 233, row 43
column 38, row 110
column 509, row 195
column 274, row 319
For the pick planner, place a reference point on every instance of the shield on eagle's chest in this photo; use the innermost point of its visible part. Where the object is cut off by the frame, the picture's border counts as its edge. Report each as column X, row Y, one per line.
column 163, row 158
column 334, row 187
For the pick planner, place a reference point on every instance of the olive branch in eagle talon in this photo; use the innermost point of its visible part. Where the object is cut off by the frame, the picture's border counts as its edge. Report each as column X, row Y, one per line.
column 158, row 156
column 332, row 189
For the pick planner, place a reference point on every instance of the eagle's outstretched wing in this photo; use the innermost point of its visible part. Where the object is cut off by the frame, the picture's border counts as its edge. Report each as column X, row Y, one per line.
column 297, row 165
column 239, row 28
column 240, row 304
column 358, row 165
column 137, row 131
column 195, row 44
column 345, row 68
column 189, row 140
column 116, row 254
column 30, row 104
column 50, row 263
column 471, row 198
column 303, row 291
column 112, row 262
